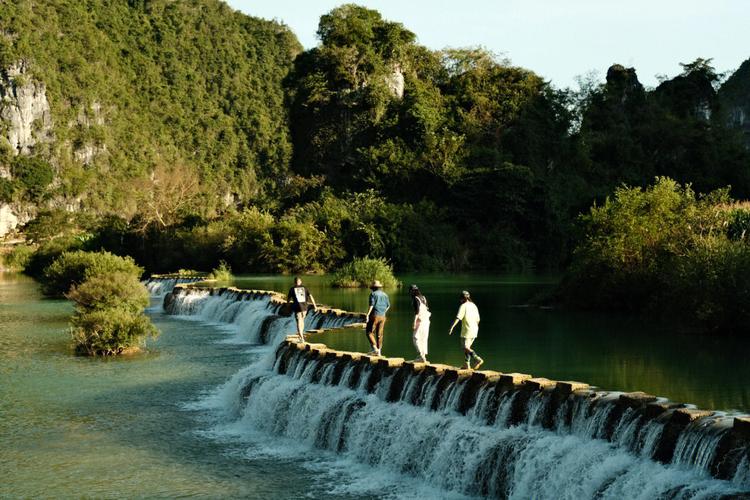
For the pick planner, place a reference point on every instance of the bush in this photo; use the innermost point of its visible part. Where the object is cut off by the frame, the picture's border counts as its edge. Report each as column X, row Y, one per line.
column 110, row 331
column 7, row 189
column 33, row 174
column 18, row 257
column 72, row 268
column 108, row 291
column 362, row 272
column 48, row 252
column 221, row 273
column 665, row 251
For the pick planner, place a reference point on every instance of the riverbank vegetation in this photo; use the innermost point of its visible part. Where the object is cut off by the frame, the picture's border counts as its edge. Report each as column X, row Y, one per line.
column 109, row 298
column 202, row 147
column 360, row 273
column 666, row 251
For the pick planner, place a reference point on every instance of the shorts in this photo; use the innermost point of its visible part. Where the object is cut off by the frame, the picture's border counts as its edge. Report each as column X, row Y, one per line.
column 468, row 341
column 375, row 325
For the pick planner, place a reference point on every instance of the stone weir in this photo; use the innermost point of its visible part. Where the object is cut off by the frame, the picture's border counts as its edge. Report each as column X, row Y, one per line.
column 159, row 285
column 258, row 316
column 640, row 423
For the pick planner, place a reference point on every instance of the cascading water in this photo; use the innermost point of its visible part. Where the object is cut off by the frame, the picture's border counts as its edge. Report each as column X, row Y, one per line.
column 158, row 287
column 298, row 398
column 453, row 433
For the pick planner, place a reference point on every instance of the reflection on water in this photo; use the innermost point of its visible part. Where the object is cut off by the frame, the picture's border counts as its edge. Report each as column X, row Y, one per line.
column 614, row 352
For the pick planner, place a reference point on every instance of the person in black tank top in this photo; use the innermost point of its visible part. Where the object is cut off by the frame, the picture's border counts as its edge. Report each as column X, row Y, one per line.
column 299, row 298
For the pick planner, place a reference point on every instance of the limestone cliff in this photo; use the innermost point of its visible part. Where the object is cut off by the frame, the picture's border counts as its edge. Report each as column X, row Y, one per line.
column 734, row 96
column 25, row 116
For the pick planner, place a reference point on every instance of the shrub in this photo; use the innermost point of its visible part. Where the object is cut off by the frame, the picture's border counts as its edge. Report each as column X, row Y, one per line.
column 668, row 252
column 222, row 273
column 34, row 174
column 18, row 257
column 106, row 291
column 109, row 331
column 7, row 189
column 72, row 268
column 362, row 272
column 48, row 252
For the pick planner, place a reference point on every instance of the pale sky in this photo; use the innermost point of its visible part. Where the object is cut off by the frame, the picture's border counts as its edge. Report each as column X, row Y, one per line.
column 558, row 39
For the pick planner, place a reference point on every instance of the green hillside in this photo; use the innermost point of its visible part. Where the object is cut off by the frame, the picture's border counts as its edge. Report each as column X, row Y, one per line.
column 185, row 133
column 191, row 86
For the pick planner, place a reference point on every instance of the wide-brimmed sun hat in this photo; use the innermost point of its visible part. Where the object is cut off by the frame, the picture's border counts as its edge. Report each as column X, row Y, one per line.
column 376, row 284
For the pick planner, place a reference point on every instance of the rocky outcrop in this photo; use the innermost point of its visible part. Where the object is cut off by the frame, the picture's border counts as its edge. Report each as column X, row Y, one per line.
column 8, row 220
column 734, row 97
column 623, row 85
column 395, row 82
column 24, row 109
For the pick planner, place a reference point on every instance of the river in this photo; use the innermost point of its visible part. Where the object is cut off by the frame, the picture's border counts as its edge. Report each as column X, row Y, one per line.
column 154, row 425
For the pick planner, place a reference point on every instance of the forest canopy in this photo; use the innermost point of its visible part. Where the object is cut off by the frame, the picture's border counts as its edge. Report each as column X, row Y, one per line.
column 212, row 136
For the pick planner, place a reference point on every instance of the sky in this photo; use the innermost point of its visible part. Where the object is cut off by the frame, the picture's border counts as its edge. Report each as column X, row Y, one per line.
column 558, row 39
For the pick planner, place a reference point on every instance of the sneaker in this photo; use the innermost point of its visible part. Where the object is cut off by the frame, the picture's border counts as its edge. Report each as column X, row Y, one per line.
column 380, row 353
column 373, row 352
column 301, row 339
column 466, row 366
column 480, row 362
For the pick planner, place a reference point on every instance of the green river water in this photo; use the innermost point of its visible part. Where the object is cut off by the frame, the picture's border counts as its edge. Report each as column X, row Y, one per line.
column 79, row 427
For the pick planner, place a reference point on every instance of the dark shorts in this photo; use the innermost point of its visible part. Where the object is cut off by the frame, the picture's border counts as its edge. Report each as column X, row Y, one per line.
column 375, row 325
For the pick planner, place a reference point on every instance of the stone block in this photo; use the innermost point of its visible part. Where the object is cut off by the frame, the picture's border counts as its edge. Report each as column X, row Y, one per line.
column 653, row 410
column 568, row 387
column 741, row 428
column 687, row 415
column 436, row 369
column 331, row 355
column 373, row 360
column 415, row 366
column 636, row 399
column 513, row 378
column 351, row 356
column 390, row 362
column 486, row 376
column 538, row 384
column 310, row 347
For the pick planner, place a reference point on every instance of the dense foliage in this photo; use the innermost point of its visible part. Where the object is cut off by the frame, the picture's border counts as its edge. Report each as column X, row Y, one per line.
column 109, row 300
column 360, row 273
column 139, row 90
column 668, row 252
column 73, row 268
column 217, row 139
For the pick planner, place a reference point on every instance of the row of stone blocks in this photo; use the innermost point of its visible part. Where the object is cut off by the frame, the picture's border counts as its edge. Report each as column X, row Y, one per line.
column 675, row 417
column 275, row 297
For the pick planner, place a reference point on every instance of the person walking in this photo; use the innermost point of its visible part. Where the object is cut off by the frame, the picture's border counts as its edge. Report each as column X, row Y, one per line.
column 298, row 297
column 379, row 305
column 468, row 315
column 421, row 327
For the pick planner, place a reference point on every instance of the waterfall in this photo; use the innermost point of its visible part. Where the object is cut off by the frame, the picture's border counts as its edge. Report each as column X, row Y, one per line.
column 466, row 433
column 301, row 399
column 158, row 287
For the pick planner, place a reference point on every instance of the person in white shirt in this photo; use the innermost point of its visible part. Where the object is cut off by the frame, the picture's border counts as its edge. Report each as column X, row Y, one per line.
column 421, row 327
column 468, row 315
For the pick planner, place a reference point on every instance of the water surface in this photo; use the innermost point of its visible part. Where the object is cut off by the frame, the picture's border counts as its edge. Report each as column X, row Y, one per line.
column 612, row 351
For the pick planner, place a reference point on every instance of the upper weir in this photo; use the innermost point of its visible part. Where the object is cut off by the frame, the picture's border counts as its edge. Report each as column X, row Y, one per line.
column 512, row 419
